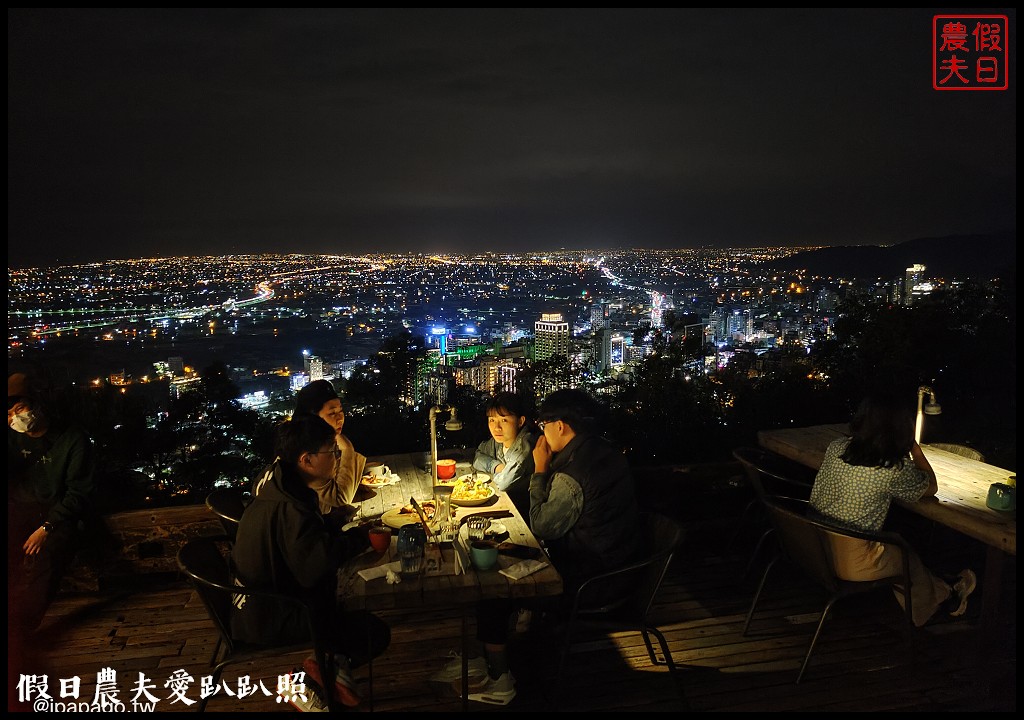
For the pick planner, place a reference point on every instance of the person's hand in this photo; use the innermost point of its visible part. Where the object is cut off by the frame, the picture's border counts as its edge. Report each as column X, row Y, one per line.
column 498, row 468
column 360, row 534
column 541, row 455
column 35, row 542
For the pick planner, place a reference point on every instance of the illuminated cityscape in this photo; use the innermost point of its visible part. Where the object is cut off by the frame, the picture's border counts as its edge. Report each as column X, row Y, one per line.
column 398, row 333
column 357, row 300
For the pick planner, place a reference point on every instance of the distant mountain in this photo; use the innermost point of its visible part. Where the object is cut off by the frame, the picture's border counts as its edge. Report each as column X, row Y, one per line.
column 956, row 256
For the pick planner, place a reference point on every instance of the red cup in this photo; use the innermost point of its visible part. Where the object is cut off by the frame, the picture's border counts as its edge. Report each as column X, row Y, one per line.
column 445, row 469
column 380, row 538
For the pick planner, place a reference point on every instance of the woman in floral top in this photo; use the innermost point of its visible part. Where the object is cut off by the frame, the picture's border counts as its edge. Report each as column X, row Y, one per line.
column 854, row 488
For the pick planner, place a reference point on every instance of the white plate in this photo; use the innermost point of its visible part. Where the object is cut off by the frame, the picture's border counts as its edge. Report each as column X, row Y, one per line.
column 374, row 481
column 480, row 477
column 475, row 502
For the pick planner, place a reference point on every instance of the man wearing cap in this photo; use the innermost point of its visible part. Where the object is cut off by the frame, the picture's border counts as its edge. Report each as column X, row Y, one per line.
column 335, row 494
column 50, row 475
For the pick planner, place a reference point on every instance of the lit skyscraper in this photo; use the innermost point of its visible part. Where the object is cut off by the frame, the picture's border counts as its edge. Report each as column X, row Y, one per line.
column 551, row 333
column 913, row 278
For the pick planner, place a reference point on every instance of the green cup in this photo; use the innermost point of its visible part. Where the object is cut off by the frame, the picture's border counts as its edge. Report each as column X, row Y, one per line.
column 484, row 554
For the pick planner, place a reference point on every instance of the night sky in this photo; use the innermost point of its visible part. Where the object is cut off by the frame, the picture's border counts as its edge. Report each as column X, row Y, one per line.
column 142, row 133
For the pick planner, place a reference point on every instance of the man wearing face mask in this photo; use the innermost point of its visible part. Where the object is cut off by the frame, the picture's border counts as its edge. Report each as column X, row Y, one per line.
column 50, row 486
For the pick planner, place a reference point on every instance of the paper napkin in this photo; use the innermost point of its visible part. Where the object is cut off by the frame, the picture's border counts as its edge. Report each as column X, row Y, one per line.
column 524, row 568
column 379, row 571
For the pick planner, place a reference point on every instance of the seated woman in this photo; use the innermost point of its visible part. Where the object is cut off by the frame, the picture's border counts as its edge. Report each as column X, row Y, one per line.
column 508, row 455
column 854, row 487
column 335, row 494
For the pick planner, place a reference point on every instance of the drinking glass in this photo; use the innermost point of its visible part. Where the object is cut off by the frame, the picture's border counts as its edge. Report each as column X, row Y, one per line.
column 478, row 527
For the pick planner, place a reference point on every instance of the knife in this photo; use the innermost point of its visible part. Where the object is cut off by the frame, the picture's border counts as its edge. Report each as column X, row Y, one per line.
column 423, row 518
column 426, row 525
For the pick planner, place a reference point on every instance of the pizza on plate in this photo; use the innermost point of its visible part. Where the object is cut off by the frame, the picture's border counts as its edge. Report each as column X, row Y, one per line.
column 429, row 507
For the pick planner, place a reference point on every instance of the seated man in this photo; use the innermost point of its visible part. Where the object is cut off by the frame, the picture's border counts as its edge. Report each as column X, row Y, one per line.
column 284, row 546
column 583, row 506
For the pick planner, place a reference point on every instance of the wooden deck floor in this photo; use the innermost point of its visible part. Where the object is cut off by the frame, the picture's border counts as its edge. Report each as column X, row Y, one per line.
column 862, row 662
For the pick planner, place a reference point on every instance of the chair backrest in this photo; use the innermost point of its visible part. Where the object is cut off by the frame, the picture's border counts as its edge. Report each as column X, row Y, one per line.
column 208, row 570
column 962, row 450
column 663, row 536
column 227, row 504
column 804, row 540
column 773, row 475
column 634, row 586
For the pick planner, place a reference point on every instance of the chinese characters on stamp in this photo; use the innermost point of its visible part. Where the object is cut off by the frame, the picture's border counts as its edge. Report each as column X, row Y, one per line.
column 970, row 52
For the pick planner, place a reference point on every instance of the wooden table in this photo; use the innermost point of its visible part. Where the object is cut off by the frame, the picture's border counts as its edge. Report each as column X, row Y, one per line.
column 444, row 589
column 959, row 503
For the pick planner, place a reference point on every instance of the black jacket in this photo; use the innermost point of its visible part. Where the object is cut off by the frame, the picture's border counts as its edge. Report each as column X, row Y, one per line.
column 607, row 534
column 283, row 545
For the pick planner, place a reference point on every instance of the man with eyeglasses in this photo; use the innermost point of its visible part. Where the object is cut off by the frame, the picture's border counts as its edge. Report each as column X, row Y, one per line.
column 337, row 492
column 284, row 545
column 582, row 498
column 583, row 506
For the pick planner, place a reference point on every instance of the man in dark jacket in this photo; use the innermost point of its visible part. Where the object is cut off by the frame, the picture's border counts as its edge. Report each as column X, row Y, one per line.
column 583, row 505
column 283, row 545
column 582, row 498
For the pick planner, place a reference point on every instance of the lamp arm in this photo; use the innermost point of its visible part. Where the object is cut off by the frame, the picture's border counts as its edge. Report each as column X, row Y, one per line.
column 433, row 443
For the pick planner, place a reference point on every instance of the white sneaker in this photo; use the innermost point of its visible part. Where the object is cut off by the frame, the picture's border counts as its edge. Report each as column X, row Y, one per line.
column 344, row 686
column 962, row 590
column 452, row 671
column 308, row 702
column 494, row 692
column 523, row 618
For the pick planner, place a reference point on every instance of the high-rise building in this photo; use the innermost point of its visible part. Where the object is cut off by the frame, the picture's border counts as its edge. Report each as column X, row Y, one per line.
column 618, row 349
column 598, row 315
column 509, row 371
column 551, row 335
column 176, row 365
column 603, row 350
column 317, row 368
column 914, row 277
column 472, row 373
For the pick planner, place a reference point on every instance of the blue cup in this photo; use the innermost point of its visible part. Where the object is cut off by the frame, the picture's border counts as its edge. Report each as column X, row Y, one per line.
column 412, row 539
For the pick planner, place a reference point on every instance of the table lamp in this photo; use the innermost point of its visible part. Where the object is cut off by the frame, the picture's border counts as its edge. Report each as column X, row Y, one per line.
column 929, row 408
column 453, row 424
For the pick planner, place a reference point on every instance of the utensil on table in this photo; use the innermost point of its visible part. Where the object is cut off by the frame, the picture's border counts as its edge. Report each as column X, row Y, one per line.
column 426, row 525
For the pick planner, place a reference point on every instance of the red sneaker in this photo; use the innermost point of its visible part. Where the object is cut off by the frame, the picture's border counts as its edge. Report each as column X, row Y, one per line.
column 344, row 685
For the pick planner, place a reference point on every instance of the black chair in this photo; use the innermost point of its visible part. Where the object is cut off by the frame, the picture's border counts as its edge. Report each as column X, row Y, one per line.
column 769, row 474
column 662, row 536
column 804, row 542
column 227, row 504
column 204, row 562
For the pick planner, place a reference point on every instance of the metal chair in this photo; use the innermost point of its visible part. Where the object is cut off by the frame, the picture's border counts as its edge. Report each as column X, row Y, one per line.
column 662, row 537
column 804, row 542
column 227, row 504
column 769, row 474
column 962, row 450
column 208, row 570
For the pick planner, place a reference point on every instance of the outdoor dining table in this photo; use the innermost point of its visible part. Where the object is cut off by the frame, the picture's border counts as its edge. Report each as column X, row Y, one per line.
column 960, row 502
column 445, row 587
